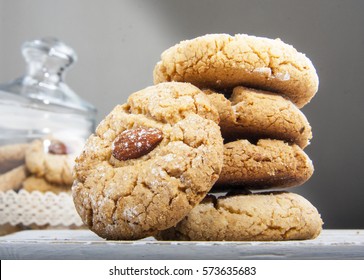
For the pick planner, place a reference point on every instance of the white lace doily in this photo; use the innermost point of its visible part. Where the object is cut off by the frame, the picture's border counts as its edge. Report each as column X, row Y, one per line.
column 38, row 208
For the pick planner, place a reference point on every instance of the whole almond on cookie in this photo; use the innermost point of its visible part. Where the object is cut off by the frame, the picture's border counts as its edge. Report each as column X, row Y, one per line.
column 129, row 183
column 51, row 159
column 134, row 143
column 57, row 148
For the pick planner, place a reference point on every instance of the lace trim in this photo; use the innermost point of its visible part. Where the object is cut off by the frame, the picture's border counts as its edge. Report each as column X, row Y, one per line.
column 39, row 208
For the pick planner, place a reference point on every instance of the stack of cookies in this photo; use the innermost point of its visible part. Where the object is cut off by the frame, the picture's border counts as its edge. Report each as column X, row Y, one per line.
column 223, row 116
column 257, row 85
column 42, row 165
column 49, row 162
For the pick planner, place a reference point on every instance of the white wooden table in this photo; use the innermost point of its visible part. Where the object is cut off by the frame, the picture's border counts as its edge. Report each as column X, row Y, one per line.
column 83, row 244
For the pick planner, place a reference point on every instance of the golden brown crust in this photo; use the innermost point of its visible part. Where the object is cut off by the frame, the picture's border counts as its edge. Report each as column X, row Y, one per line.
column 257, row 114
column 32, row 183
column 267, row 164
column 253, row 217
column 222, row 61
column 172, row 102
column 131, row 199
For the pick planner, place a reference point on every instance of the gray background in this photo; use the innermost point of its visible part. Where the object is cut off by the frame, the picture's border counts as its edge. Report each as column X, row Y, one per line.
column 119, row 42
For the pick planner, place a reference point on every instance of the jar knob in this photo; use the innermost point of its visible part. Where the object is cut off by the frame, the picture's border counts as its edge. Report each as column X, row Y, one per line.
column 47, row 59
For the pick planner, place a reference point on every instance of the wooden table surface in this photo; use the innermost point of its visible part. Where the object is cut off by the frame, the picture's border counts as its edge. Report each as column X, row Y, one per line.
column 84, row 244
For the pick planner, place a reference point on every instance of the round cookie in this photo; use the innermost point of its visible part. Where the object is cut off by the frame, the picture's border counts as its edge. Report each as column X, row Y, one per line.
column 32, row 183
column 51, row 159
column 264, row 165
column 254, row 217
column 222, row 61
column 257, row 114
column 149, row 162
column 12, row 156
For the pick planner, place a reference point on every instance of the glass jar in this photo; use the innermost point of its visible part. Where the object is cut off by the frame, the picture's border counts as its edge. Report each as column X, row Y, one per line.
column 40, row 103
column 40, row 109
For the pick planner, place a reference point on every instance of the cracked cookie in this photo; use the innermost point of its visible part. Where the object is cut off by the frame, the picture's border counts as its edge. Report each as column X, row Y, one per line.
column 257, row 114
column 149, row 162
column 264, row 165
column 273, row 216
column 52, row 160
column 221, row 61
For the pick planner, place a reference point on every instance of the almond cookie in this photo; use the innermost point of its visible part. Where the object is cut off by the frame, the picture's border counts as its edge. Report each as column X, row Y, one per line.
column 255, row 217
column 222, row 61
column 264, row 165
column 256, row 114
column 149, row 162
column 32, row 183
column 12, row 156
column 51, row 159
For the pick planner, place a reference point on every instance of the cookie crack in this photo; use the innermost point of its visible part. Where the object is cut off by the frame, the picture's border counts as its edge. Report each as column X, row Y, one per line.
column 259, row 54
column 232, row 210
column 291, row 63
column 272, row 123
column 195, row 144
